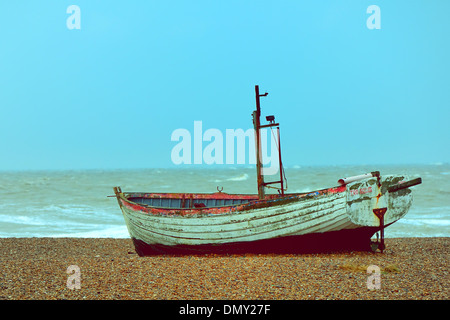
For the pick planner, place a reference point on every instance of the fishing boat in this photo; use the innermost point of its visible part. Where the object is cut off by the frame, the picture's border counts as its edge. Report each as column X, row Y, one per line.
column 344, row 216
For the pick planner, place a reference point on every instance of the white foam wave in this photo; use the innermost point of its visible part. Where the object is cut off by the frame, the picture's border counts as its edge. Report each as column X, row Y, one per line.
column 118, row 232
column 421, row 222
column 242, row 177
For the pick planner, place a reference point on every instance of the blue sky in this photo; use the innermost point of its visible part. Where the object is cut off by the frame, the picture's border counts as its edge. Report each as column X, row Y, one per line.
column 110, row 94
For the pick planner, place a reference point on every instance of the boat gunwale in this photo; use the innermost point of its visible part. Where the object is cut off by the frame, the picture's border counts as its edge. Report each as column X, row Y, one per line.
column 253, row 203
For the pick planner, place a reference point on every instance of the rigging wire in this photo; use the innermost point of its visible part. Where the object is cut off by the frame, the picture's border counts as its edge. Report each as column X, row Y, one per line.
column 280, row 164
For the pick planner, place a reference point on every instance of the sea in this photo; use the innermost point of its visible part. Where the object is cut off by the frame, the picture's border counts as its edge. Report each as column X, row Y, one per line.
column 79, row 203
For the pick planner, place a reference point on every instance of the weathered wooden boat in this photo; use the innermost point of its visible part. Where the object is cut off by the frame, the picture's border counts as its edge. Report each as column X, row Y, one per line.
column 345, row 216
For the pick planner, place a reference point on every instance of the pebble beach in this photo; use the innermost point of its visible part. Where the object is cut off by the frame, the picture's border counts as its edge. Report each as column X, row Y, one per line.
column 109, row 269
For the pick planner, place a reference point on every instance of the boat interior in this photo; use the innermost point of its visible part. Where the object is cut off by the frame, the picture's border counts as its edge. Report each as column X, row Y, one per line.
column 190, row 202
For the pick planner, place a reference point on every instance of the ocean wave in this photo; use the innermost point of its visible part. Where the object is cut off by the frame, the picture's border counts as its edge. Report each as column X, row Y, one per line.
column 71, row 211
column 421, row 222
column 49, row 222
column 22, row 220
column 118, row 232
column 242, row 177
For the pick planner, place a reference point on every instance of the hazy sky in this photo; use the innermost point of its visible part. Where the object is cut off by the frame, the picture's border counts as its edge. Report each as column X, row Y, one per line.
column 109, row 95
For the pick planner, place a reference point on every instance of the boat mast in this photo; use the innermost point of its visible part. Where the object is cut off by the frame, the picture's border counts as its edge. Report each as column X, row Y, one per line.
column 259, row 166
column 256, row 125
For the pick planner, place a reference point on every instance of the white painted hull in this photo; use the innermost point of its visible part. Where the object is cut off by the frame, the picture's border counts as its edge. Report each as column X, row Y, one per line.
column 343, row 208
